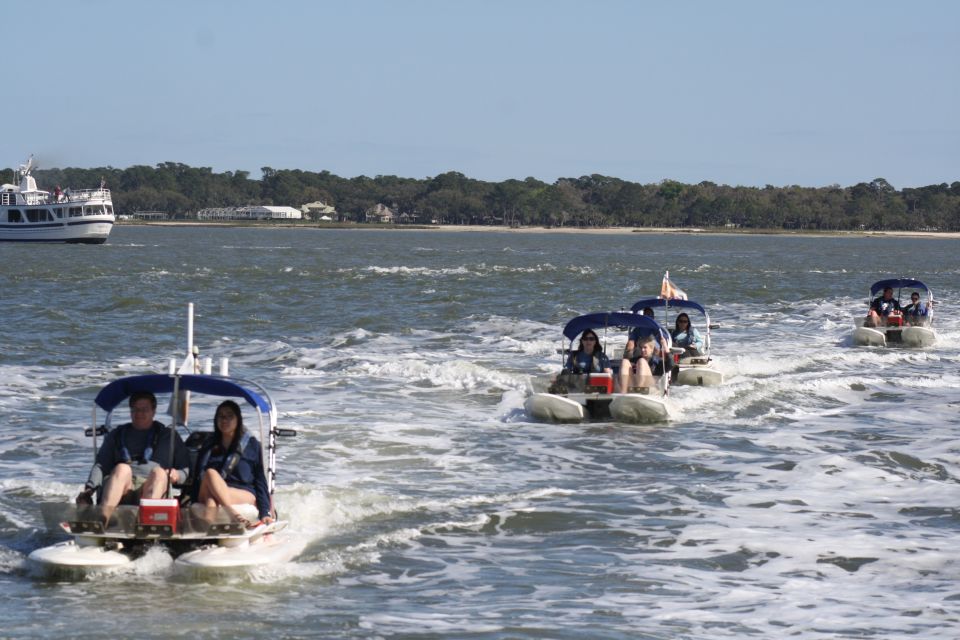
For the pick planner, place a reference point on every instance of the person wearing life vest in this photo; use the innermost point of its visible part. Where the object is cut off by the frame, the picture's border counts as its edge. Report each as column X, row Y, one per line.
column 916, row 312
column 589, row 356
column 133, row 461
column 642, row 362
column 881, row 307
column 229, row 469
column 687, row 337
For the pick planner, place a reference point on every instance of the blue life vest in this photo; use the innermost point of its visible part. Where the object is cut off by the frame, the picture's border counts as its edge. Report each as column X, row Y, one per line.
column 152, row 439
column 230, row 461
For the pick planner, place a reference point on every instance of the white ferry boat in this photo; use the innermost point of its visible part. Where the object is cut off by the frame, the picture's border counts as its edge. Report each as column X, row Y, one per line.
column 28, row 214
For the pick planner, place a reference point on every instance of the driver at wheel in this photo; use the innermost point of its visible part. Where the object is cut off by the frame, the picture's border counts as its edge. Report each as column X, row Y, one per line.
column 131, row 464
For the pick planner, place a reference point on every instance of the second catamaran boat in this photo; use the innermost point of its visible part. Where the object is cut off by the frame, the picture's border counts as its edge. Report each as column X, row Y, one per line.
column 691, row 369
column 576, row 397
column 891, row 320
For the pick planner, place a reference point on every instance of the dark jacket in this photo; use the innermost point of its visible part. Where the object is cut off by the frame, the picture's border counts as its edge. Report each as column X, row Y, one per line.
column 156, row 439
column 247, row 474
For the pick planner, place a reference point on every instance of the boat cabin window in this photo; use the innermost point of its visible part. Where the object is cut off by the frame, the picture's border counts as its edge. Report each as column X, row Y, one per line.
column 14, row 216
column 76, row 211
column 58, row 212
column 109, row 209
column 92, row 210
column 7, row 198
column 39, row 215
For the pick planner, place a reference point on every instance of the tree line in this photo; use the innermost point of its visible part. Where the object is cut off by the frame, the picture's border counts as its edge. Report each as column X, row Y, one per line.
column 587, row 201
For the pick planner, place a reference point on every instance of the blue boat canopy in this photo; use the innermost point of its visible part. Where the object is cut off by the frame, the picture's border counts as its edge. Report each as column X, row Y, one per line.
column 119, row 390
column 646, row 325
column 897, row 283
column 653, row 303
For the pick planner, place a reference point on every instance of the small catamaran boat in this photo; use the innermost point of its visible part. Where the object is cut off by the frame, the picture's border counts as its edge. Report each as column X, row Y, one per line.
column 28, row 214
column 688, row 369
column 902, row 323
column 576, row 397
column 187, row 532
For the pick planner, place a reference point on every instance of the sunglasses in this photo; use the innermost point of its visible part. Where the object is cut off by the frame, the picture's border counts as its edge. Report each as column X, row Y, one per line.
column 590, row 338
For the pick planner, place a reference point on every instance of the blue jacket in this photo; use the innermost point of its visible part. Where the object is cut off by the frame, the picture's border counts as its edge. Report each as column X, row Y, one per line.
column 918, row 310
column 248, row 474
column 689, row 338
column 580, row 362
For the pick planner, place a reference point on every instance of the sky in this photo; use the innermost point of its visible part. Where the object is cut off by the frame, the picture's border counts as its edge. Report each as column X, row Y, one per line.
column 742, row 92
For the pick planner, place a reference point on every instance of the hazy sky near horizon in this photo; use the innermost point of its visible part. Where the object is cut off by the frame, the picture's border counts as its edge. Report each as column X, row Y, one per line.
column 748, row 92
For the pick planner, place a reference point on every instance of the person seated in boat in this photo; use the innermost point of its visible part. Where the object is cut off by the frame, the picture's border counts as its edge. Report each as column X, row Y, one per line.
column 133, row 461
column 642, row 362
column 229, row 469
column 687, row 337
column 882, row 306
column 589, row 356
column 916, row 312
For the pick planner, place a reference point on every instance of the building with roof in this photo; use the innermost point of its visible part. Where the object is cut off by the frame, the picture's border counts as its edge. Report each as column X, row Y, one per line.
column 258, row 212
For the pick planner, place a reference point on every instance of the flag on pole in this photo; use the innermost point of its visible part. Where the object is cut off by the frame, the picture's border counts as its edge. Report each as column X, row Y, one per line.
column 669, row 291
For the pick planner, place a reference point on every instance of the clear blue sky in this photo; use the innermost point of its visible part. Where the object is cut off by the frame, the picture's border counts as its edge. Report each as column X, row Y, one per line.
column 749, row 92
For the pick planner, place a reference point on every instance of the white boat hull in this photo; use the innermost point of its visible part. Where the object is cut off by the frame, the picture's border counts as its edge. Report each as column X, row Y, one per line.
column 70, row 555
column 638, row 409
column 909, row 336
column 633, row 408
column 869, row 337
column 550, row 407
column 269, row 549
column 85, row 232
column 695, row 375
column 918, row 336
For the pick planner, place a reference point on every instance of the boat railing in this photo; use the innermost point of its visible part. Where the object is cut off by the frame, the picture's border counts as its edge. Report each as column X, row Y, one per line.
column 73, row 195
column 79, row 195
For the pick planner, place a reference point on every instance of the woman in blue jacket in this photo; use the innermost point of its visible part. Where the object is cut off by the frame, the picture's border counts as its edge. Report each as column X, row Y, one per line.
column 230, row 468
column 686, row 337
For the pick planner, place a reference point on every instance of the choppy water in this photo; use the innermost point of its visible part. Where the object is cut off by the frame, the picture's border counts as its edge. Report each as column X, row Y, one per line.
column 813, row 496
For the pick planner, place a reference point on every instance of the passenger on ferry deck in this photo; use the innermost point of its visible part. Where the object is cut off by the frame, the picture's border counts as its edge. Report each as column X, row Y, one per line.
column 131, row 463
column 229, row 468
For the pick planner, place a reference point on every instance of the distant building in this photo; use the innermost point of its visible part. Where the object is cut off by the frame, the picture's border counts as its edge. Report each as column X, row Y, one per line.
column 149, row 215
column 318, row 210
column 259, row 212
column 380, row 213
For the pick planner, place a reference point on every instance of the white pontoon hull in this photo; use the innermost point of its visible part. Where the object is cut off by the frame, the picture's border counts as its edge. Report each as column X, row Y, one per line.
column 698, row 375
column 638, row 409
column 269, row 549
column 553, row 408
column 909, row 336
column 918, row 336
column 634, row 408
column 72, row 556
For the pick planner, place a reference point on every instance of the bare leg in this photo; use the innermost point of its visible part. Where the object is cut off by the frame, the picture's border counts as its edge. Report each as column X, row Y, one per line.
column 625, row 369
column 117, row 485
column 214, row 491
column 644, row 377
column 156, row 483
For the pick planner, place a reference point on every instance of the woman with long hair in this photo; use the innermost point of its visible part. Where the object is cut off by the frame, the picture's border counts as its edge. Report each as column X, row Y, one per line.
column 230, row 468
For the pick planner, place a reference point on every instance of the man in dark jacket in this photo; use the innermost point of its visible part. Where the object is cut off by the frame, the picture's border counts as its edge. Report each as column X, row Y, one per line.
column 134, row 460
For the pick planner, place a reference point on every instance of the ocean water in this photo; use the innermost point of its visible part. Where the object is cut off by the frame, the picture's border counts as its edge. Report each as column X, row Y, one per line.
column 814, row 495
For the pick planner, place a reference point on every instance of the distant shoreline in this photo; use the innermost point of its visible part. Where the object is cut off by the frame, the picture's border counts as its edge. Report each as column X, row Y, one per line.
column 459, row 228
